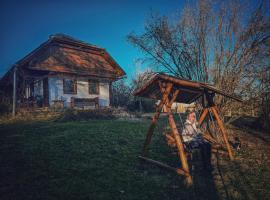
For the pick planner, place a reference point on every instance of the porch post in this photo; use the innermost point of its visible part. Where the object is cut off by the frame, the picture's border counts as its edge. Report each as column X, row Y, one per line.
column 110, row 94
column 45, row 92
column 14, row 92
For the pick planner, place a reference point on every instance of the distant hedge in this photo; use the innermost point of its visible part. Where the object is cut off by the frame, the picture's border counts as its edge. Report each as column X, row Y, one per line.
column 77, row 115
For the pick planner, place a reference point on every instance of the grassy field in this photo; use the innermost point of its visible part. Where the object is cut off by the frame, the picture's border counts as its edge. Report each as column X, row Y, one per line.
column 98, row 160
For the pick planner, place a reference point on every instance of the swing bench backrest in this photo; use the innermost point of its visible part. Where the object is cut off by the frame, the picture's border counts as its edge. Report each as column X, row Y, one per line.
column 171, row 141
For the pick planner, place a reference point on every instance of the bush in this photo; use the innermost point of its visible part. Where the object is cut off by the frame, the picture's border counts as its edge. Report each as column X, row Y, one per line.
column 78, row 115
column 5, row 108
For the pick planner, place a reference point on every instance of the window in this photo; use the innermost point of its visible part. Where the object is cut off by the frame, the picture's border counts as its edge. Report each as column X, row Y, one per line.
column 93, row 87
column 70, row 86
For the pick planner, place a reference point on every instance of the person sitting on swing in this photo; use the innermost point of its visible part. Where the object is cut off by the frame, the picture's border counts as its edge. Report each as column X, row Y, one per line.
column 193, row 139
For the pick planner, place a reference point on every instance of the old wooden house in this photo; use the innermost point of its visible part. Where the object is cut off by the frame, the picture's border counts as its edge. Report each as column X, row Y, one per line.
column 64, row 71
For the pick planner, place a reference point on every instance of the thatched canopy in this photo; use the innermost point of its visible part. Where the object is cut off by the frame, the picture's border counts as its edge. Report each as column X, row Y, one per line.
column 189, row 90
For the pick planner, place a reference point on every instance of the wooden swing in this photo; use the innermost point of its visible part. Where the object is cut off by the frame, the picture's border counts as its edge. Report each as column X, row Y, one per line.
column 169, row 89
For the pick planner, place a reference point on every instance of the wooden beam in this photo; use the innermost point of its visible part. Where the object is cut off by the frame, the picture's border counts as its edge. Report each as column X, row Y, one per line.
column 181, row 82
column 224, row 133
column 160, row 164
column 175, row 94
column 179, row 143
column 155, row 117
column 203, row 115
column 169, row 137
column 170, row 141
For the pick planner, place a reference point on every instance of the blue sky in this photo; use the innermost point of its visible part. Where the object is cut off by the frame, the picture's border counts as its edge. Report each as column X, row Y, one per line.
column 26, row 24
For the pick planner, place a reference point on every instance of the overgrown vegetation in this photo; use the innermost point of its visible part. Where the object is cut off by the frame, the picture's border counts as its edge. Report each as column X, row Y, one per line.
column 5, row 108
column 123, row 94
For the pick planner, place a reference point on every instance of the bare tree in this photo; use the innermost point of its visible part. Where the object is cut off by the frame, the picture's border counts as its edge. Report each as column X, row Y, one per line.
column 163, row 45
column 137, row 82
column 122, row 93
column 221, row 42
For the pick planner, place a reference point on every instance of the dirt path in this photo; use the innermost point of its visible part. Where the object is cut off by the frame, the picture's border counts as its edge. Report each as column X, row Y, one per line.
column 248, row 176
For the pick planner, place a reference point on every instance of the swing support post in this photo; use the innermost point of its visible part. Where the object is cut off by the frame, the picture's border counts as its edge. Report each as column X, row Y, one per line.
column 179, row 145
column 155, row 119
column 224, row 133
column 178, row 141
column 166, row 90
column 213, row 108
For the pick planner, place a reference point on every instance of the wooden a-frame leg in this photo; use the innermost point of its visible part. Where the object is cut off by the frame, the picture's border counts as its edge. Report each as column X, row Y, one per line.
column 152, row 126
column 203, row 115
column 179, row 144
column 206, row 134
column 224, row 133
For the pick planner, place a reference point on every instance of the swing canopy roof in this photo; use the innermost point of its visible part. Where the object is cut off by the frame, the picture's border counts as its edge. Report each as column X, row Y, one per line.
column 190, row 91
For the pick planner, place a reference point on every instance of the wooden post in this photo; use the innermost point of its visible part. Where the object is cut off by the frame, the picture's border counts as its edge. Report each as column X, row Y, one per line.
column 203, row 115
column 179, row 143
column 45, row 92
column 110, row 94
column 14, row 93
column 224, row 133
column 155, row 118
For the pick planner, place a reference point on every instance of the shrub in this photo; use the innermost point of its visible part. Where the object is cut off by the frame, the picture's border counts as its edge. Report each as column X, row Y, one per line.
column 5, row 108
column 77, row 115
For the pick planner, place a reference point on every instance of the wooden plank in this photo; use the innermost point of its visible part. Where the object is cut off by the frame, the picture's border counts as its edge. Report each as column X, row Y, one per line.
column 179, row 84
column 213, row 89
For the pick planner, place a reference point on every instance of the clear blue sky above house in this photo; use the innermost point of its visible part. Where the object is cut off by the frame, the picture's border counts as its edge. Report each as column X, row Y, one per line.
column 26, row 24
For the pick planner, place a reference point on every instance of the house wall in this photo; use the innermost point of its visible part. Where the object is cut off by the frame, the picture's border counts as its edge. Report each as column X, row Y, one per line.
column 56, row 91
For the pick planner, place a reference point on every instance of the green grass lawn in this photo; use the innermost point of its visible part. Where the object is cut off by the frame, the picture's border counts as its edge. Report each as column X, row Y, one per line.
column 98, row 160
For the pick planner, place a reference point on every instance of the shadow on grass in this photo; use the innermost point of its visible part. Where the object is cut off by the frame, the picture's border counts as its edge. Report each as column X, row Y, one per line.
column 203, row 182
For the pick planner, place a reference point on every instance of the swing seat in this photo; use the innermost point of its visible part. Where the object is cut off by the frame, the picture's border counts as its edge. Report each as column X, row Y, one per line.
column 194, row 155
column 216, row 148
